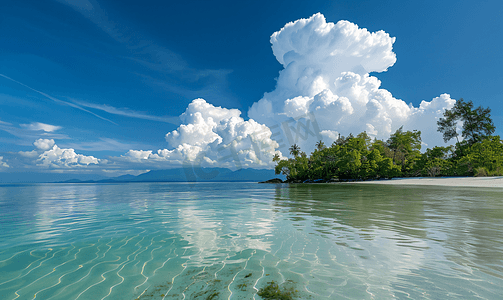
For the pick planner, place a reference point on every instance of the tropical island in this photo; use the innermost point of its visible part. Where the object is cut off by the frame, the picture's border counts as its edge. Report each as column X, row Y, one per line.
column 357, row 158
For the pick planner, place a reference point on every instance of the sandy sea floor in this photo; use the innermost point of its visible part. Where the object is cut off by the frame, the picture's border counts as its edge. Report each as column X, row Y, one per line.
column 443, row 181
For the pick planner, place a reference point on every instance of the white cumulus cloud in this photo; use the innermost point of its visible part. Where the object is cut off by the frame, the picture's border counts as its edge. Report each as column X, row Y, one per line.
column 29, row 154
column 3, row 164
column 44, row 144
column 67, row 158
column 214, row 136
column 48, row 154
column 325, row 88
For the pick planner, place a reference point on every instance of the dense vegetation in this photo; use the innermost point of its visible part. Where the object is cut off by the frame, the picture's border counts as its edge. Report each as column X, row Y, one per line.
column 361, row 158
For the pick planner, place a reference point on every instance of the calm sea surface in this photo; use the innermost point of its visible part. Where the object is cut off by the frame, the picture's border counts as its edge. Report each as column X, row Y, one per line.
column 229, row 240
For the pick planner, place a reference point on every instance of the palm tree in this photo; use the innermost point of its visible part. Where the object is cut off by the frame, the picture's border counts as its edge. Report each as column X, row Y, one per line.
column 320, row 145
column 294, row 150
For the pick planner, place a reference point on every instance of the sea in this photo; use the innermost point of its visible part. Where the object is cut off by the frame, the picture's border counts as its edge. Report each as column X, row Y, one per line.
column 234, row 240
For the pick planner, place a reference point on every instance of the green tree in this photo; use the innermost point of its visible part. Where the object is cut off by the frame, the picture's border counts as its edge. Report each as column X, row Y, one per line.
column 477, row 123
column 437, row 162
column 447, row 126
column 320, row 145
column 406, row 148
column 364, row 138
column 283, row 167
column 294, row 150
column 318, row 164
column 341, row 140
column 293, row 168
column 484, row 158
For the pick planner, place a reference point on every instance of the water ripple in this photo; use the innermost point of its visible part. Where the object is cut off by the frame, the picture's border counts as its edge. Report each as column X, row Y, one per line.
column 171, row 241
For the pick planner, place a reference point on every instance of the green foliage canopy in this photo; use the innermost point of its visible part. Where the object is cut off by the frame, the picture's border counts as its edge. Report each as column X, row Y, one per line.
column 361, row 158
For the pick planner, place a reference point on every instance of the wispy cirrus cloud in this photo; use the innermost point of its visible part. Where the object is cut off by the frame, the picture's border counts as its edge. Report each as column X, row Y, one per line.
column 126, row 112
column 145, row 51
column 167, row 65
column 104, row 144
column 37, row 126
column 215, row 85
column 61, row 102
column 30, row 132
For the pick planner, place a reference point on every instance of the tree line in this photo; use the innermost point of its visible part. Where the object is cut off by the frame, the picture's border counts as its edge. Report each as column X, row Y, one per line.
column 479, row 153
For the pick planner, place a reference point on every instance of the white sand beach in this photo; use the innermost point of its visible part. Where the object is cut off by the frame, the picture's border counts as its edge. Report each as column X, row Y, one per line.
column 443, row 181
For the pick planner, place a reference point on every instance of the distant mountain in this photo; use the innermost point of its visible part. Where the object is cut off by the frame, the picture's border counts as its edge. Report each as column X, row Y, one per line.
column 124, row 177
column 205, row 175
column 31, row 177
column 170, row 175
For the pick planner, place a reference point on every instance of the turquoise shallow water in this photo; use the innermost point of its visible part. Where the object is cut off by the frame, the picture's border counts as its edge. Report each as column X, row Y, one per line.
column 228, row 240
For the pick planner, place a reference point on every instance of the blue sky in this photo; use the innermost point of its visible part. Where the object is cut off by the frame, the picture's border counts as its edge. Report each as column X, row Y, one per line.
column 105, row 77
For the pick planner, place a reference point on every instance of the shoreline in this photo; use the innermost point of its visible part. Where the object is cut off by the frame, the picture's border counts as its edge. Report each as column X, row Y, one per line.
column 441, row 181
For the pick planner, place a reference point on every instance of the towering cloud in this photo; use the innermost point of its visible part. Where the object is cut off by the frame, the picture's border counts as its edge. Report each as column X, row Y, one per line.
column 325, row 87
